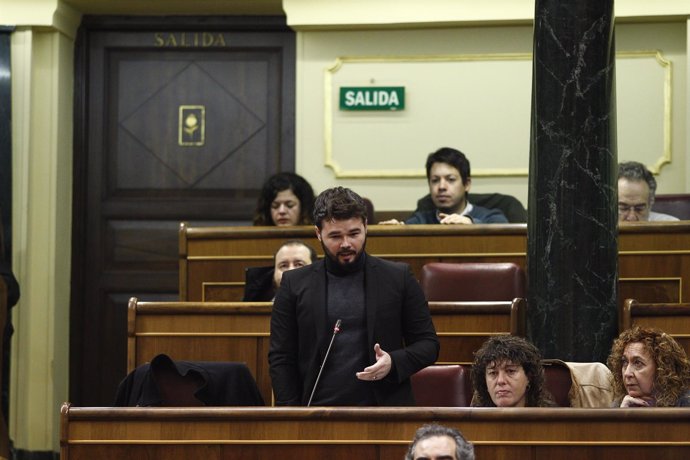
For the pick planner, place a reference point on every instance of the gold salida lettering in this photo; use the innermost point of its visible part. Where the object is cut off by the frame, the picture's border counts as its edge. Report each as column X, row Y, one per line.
column 189, row 39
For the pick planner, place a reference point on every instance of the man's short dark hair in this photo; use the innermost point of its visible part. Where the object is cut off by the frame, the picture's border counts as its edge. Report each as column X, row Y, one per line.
column 338, row 203
column 450, row 156
column 636, row 171
column 463, row 448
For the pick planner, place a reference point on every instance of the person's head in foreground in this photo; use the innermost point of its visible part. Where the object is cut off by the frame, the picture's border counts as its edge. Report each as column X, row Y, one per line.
column 286, row 199
column 438, row 442
column 340, row 216
column 507, row 372
column 649, row 369
column 292, row 254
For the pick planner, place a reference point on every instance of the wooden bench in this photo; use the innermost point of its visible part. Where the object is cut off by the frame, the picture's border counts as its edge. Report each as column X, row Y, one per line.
column 239, row 331
column 213, row 260
column 196, row 331
column 451, row 385
column 462, row 327
column 654, row 258
column 673, row 319
column 371, row 433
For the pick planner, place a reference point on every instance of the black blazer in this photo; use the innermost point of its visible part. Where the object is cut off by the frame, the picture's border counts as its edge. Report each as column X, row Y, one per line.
column 218, row 383
column 258, row 284
column 398, row 319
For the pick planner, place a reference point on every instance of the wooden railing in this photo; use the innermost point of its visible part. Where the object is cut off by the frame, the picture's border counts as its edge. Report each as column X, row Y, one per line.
column 238, row 331
column 674, row 319
column 654, row 258
column 371, row 433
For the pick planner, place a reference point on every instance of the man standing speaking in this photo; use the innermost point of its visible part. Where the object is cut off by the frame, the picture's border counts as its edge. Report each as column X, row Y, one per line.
column 385, row 334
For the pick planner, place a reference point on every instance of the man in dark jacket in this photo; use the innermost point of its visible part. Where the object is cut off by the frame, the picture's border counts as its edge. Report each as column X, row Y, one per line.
column 448, row 174
column 386, row 332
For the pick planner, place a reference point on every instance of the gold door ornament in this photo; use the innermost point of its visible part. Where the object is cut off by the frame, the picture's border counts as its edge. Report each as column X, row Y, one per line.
column 192, row 125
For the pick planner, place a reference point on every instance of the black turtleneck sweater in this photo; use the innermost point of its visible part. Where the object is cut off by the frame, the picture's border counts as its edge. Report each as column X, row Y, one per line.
column 349, row 354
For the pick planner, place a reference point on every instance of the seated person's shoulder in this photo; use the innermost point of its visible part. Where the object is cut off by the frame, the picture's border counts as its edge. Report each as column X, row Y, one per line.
column 258, row 284
column 661, row 217
column 511, row 207
column 482, row 215
column 422, row 217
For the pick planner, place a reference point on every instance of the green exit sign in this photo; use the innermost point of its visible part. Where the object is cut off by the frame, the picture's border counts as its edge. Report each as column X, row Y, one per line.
column 372, row 98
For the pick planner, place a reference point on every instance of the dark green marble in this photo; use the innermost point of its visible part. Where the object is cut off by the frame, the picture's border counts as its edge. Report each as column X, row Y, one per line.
column 572, row 257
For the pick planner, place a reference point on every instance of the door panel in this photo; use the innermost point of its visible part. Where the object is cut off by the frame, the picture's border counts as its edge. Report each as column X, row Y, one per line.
column 171, row 125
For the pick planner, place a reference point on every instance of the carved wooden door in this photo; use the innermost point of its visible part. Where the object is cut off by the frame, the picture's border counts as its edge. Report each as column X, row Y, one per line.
column 176, row 120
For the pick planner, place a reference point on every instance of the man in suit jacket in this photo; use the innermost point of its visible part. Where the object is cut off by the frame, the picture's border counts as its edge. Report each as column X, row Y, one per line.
column 448, row 176
column 386, row 334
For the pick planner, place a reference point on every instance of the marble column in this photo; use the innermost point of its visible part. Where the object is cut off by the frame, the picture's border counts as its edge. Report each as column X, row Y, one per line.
column 572, row 256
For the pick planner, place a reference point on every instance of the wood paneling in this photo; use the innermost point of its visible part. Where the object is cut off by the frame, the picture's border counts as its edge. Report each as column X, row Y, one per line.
column 654, row 258
column 221, row 254
column 202, row 332
column 671, row 318
column 239, row 331
column 372, row 433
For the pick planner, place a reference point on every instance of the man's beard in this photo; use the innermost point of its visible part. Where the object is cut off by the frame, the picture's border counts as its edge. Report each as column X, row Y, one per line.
column 347, row 267
column 453, row 208
column 446, row 210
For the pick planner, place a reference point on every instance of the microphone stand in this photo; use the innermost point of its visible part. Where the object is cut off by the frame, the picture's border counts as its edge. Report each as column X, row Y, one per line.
column 336, row 329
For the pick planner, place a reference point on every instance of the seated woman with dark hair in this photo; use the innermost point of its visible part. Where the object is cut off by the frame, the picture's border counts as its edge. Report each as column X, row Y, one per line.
column 286, row 199
column 507, row 372
column 649, row 369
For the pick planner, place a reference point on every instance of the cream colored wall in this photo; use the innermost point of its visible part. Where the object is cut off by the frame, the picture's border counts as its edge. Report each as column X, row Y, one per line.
column 318, row 50
column 376, row 14
column 686, row 112
column 42, row 99
column 395, row 140
column 670, row 39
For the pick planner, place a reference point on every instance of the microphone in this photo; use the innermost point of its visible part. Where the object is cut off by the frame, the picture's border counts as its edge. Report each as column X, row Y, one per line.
column 336, row 329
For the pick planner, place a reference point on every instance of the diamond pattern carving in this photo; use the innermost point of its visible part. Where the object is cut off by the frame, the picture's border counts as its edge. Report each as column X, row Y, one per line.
column 229, row 124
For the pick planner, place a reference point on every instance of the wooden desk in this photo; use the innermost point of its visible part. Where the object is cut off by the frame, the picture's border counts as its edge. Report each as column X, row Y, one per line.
column 654, row 258
column 369, row 433
column 213, row 260
column 239, row 331
column 674, row 319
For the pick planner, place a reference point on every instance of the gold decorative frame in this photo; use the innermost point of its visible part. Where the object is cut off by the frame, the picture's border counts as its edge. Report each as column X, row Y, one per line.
column 181, row 123
column 665, row 157
column 341, row 173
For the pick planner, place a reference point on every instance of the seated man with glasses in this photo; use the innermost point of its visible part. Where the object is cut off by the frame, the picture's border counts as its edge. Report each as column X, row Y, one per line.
column 636, row 189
